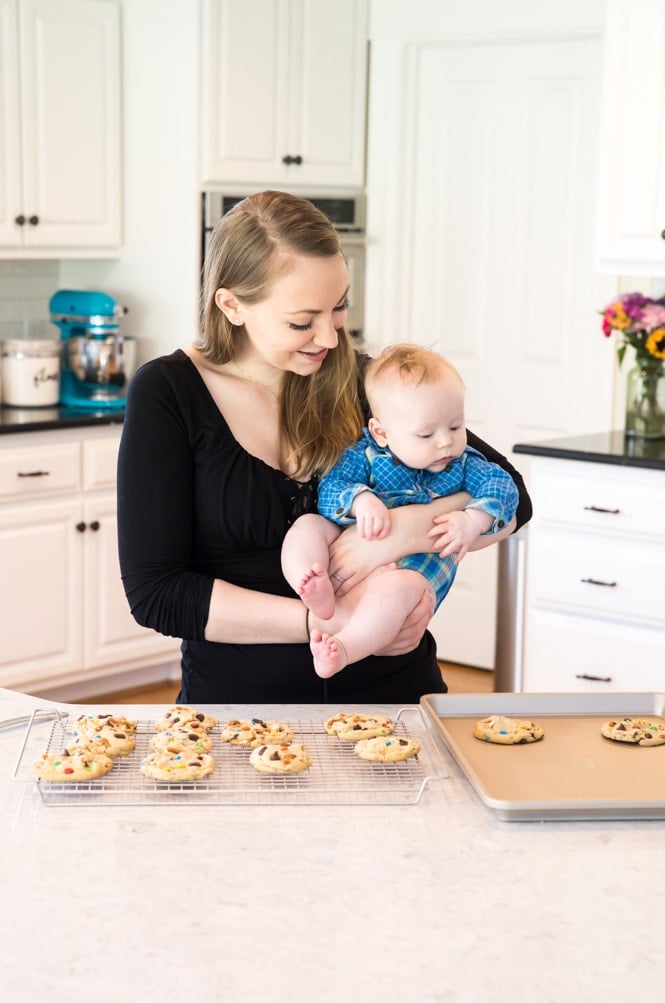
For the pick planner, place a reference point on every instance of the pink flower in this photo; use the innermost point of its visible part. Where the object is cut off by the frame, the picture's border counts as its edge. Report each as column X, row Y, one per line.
column 652, row 316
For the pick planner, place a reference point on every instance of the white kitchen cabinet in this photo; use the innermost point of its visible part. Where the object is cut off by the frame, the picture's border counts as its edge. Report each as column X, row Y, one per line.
column 631, row 210
column 594, row 617
column 284, row 91
column 64, row 617
column 60, row 128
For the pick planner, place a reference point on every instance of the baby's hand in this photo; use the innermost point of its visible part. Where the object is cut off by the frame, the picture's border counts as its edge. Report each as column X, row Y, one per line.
column 455, row 532
column 371, row 515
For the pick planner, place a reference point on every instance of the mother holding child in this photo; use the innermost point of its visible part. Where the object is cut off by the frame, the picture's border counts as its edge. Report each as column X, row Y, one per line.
column 228, row 442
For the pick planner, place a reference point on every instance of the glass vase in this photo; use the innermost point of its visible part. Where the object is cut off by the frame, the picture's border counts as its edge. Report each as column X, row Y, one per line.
column 645, row 403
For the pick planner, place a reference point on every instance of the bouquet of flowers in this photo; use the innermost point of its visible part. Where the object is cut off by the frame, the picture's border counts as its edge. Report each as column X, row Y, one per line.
column 640, row 322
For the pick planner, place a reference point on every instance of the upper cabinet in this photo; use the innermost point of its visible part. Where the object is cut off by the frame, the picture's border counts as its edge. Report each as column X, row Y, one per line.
column 284, row 91
column 60, row 128
column 631, row 212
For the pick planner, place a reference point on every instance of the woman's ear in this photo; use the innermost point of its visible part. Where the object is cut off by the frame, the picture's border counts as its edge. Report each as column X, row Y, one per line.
column 229, row 305
column 377, row 432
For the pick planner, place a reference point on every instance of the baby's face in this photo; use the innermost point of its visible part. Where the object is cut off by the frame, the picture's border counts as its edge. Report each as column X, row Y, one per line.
column 422, row 425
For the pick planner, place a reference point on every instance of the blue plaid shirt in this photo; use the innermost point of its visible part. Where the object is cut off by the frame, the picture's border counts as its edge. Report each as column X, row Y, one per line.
column 368, row 466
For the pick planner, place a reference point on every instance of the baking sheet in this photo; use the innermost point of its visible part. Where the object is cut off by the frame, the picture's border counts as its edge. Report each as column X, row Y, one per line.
column 337, row 775
column 573, row 773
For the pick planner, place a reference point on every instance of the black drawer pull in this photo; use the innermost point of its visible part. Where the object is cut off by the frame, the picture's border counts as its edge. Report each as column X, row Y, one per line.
column 608, row 511
column 595, row 581
column 94, row 525
column 34, row 473
column 596, row 679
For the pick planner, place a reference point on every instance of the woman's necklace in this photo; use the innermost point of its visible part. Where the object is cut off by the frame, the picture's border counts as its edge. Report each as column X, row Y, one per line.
column 251, row 379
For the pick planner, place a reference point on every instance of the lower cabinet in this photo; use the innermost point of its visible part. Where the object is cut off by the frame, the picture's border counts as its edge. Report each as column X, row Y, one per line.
column 64, row 618
column 594, row 617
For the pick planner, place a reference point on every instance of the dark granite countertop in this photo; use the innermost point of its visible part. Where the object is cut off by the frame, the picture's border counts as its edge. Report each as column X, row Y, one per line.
column 41, row 419
column 601, row 447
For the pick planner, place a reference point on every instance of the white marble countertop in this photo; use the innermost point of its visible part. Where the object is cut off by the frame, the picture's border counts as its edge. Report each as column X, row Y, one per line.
column 437, row 901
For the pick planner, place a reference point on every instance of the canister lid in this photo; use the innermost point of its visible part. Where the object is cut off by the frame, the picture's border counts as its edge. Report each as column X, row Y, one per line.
column 30, row 346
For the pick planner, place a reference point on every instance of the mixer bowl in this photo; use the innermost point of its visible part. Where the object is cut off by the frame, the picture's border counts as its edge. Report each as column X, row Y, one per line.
column 109, row 360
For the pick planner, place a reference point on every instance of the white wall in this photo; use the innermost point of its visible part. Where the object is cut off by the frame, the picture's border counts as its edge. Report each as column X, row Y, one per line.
column 157, row 276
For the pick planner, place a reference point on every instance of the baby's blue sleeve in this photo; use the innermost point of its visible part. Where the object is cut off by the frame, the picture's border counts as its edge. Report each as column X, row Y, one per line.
column 339, row 487
column 491, row 488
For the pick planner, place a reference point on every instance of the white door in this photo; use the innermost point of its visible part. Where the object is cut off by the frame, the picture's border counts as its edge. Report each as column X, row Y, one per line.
column 481, row 190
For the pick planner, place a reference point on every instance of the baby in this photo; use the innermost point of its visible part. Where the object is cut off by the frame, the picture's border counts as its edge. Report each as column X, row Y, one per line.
column 414, row 449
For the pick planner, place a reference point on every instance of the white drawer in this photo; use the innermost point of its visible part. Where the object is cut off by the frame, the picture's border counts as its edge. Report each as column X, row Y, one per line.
column 33, row 471
column 100, row 462
column 599, row 498
column 603, row 576
column 567, row 654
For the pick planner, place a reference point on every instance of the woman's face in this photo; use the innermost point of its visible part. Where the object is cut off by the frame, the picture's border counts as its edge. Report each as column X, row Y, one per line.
column 296, row 325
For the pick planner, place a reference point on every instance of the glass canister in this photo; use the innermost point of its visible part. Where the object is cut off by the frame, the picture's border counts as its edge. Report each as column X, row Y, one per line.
column 30, row 372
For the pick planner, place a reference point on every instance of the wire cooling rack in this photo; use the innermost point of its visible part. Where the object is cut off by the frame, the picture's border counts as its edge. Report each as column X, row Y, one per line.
column 336, row 777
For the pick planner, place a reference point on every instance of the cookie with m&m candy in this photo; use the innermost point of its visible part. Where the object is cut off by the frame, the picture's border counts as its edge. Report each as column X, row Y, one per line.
column 502, row 730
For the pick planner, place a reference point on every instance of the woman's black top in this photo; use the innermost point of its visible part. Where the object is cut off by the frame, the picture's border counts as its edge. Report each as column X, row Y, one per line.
column 193, row 506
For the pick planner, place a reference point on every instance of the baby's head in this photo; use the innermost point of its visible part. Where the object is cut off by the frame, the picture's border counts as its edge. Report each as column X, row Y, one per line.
column 416, row 398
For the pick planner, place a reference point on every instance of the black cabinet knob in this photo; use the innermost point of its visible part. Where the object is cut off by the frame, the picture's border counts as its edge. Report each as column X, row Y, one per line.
column 20, row 220
column 662, row 233
column 33, row 221
column 94, row 525
column 81, row 526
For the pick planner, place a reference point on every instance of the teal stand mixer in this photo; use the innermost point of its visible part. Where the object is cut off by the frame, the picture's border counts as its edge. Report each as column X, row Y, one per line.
column 98, row 360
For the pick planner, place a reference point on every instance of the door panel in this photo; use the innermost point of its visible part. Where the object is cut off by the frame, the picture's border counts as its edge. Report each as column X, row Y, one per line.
column 480, row 243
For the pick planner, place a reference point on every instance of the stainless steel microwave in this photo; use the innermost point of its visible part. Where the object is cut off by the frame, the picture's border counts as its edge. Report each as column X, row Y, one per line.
column 345, row 209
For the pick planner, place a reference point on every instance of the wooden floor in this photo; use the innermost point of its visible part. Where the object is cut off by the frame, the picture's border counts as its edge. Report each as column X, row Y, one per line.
column 460, row 679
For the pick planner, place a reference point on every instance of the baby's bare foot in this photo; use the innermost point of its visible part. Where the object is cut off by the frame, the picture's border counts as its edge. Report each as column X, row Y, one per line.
column 329, row 654
column 317, row 593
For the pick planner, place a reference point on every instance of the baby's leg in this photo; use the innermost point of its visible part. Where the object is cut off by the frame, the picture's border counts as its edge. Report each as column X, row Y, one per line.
column 305, row 562
column 385, row 603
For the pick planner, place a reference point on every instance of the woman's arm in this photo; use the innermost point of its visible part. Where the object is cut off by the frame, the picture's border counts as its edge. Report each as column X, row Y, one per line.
column 414, row 527
column 157, row 522
column 352, row 558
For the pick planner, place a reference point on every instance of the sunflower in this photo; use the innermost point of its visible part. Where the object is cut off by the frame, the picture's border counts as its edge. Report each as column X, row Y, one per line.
column 655, row 343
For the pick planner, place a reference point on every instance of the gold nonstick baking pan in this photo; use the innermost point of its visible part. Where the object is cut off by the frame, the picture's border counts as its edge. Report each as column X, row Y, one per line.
column 573, row 772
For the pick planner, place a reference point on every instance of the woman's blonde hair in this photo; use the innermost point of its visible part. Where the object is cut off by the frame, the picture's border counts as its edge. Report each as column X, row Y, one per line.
column 408, row 363
column 320, row 415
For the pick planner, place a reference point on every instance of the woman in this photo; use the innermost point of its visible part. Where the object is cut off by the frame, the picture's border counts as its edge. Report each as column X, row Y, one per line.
column 222, row 446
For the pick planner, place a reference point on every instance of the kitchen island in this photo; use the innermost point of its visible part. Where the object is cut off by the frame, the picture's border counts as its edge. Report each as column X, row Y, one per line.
column 426, row 902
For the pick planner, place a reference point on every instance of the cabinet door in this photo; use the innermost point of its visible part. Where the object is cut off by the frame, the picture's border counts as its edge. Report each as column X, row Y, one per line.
column 284, row 84
column 631, row 214
column 328, row 94
column 245, row 90
column 10, row 155
column 40, row 611
column 111, row 635
column 70, row 114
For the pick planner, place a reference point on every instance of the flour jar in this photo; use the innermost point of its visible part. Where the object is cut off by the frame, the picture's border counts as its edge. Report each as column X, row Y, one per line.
column 30, row 372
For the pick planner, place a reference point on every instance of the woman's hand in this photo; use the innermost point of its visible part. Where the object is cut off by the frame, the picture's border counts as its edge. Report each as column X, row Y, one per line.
column 353, row 558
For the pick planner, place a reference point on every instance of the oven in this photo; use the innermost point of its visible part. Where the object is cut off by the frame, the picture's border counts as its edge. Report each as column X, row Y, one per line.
column 345, row 209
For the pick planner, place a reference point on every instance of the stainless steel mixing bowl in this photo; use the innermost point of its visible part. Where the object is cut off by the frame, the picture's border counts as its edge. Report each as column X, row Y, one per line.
column 108, row 360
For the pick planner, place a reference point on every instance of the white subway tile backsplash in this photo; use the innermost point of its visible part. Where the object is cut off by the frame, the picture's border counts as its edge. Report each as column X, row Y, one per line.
column 26, row 288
